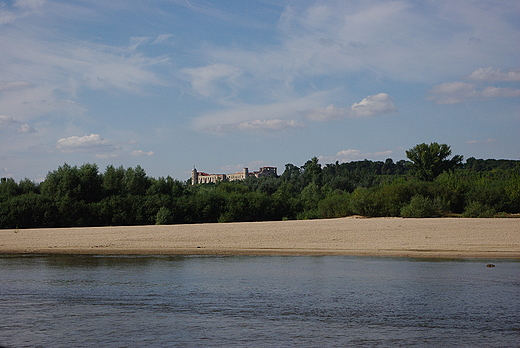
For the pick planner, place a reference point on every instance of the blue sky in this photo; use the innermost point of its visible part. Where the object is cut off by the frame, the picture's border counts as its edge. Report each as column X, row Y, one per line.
column 222, row 85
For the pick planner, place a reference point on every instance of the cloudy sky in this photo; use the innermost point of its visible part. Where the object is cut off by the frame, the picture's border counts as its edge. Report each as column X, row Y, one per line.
column 172, row 84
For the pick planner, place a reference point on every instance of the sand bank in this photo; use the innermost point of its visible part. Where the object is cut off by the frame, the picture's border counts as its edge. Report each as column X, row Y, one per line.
column 442, row 237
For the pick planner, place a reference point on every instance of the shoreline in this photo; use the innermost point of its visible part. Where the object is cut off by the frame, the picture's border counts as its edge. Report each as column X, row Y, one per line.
column 351, row 236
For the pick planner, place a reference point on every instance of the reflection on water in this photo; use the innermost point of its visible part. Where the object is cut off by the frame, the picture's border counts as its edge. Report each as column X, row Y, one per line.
column 261, row 301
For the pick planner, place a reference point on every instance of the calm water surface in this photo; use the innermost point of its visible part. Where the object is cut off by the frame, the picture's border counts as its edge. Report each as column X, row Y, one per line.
column 260, row 301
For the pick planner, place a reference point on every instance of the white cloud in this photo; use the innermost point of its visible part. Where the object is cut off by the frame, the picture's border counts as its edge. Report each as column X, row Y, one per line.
column 252, row 118
column 29, row 4
column 141, row 153
column 458, row 92
column 102, row 69
column 374, row 105
column 397, row 39
column 272, row 125
column 35, row 101
column 106, row 155
column 136, row 41
column 269, row 125
column 13, row 85
column 452, row 92
column 162, row 38
column 56, row 69
column 240, row 113
column 20, row 9
column 209, row 81
column 92, row 142
column 329, row 113
column 383, row 153
column 494, row 74
column 354, row 155
column 350, row 153
column 495, row 92
column 487, row 141
column 370, row 106
column 7, row 120
column 25, row 128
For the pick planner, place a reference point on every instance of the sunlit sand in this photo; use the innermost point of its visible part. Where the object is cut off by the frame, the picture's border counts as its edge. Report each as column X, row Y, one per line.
column 439, row 237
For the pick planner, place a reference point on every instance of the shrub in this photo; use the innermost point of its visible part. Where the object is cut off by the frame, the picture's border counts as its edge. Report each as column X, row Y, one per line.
column 366, row 202
column 308, row 215
column 512, row 189
column 335, row 205
column 478, row 210
column 420, row 207
column 164, row 216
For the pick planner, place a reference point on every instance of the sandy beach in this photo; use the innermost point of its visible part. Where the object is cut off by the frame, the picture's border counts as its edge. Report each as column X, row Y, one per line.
column 440, row 237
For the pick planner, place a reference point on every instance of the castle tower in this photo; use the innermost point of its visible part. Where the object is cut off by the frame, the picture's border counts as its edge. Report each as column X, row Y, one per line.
column 246, row 172
column 194, row 176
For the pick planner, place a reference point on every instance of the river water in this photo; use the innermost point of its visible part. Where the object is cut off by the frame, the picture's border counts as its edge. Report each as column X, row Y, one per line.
column 257, row 301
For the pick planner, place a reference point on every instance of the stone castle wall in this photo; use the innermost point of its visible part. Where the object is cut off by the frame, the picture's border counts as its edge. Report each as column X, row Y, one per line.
column 205, row 178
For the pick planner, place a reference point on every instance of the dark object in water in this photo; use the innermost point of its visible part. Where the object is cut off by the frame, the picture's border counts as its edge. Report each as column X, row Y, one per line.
column 490, row 265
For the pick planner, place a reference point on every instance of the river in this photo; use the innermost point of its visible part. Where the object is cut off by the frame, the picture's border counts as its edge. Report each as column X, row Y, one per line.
column 257, row 301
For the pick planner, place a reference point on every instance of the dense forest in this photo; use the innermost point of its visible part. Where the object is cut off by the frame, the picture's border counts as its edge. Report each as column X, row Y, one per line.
column 428, row 185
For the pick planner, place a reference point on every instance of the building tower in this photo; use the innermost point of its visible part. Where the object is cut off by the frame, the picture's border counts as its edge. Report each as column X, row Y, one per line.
column 194, row 176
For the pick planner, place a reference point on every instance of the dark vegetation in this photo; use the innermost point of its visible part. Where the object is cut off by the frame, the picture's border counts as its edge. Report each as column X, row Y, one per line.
column 429, row 185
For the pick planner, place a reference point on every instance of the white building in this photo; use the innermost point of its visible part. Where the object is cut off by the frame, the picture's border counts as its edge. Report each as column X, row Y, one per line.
column 204, row 178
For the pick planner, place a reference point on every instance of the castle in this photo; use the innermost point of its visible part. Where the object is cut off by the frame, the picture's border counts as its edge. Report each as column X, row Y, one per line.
column 204, row 178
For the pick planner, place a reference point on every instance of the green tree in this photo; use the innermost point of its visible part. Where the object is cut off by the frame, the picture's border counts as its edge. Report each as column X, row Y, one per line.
column 78, row 184
column 164, row 216
column 336, row 204
column 429, row 161
column 28, row 210
column 135, row 181
column 478, row 210
column 292, row 175
column 420, row 207
column 512, row 189
column 455, row 185
column 312, row 171
column 8, row 188
column 28, row 186
column 113, row 180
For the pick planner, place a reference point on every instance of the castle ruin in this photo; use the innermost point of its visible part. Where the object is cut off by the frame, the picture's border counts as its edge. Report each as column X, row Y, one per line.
column 205, row 178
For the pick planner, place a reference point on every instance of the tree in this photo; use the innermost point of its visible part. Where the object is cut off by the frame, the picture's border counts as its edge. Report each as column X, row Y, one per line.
column 291, row 173
column 113, row 180
column 164, row 216
column 312, row 171
column 429, row 161
column 81, row 184
column 8, row 188
column 135, row 181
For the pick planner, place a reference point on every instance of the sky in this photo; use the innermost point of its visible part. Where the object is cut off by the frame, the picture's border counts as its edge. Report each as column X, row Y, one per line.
column 226, row 84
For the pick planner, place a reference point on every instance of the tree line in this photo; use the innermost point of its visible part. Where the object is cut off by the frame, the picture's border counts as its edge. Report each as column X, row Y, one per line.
column 428, row 184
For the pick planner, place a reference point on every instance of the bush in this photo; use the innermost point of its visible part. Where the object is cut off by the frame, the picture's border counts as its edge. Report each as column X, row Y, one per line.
column 455, row 185
column 308, row 215
column 366, row 202
column 512, row 189
column 384, row 200
column 164, row 216
column 420, row 207
column 335, row 205
column 479, row 210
